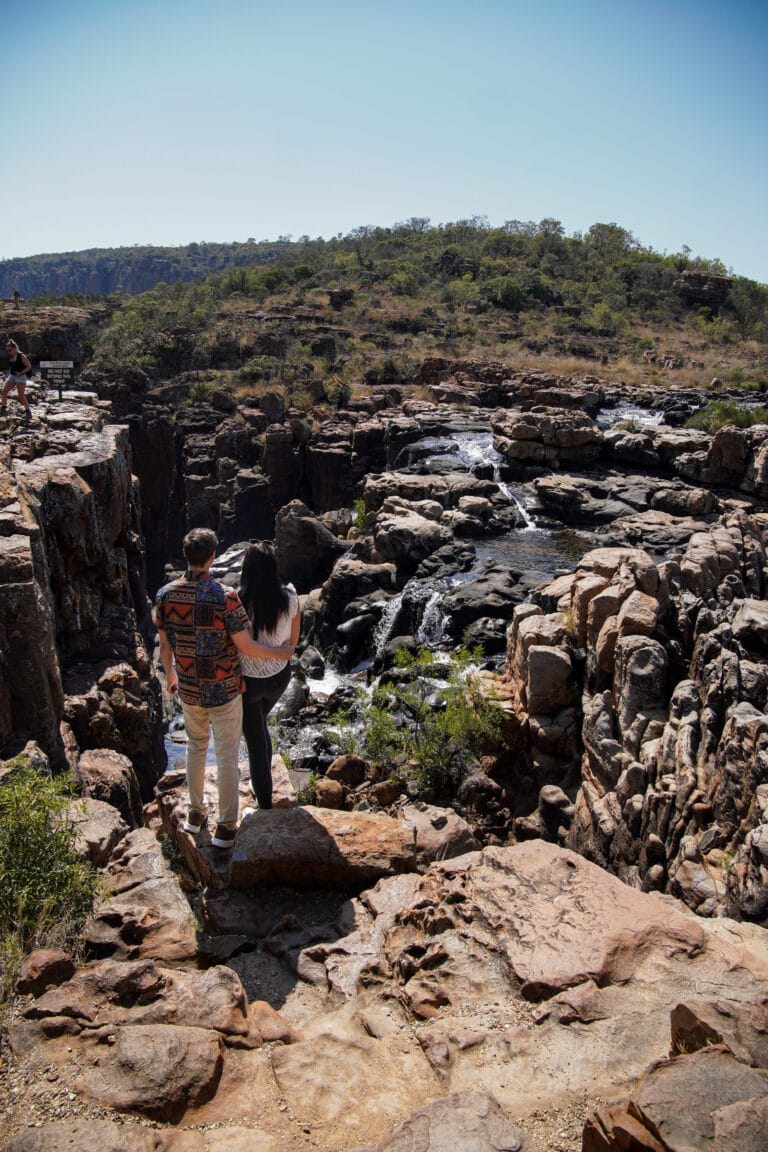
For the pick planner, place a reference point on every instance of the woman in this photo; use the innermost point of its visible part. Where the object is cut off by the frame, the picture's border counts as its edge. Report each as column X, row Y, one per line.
column 273, row 609
column 18, row 370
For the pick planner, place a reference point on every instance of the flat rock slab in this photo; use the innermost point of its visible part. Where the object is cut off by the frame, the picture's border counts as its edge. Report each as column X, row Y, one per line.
column 470, row 1121
column 108, row 1136
column 557, row 919
column 319, row 847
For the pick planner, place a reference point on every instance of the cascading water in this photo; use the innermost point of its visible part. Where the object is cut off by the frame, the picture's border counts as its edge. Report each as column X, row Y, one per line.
column 476, row 449
column 384, row 629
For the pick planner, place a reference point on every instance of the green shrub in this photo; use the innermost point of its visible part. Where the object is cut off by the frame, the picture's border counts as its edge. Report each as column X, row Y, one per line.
column 446, row 728
column 717, row 413
column 505, row 292
column 342, row 729
column 46, row 888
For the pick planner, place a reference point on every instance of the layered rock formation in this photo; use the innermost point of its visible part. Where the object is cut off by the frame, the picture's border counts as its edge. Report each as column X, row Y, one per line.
column 74, row 613
column 675, row 688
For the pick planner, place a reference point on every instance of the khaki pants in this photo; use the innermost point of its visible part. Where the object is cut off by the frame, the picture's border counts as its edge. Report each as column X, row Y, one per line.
column 227, row 724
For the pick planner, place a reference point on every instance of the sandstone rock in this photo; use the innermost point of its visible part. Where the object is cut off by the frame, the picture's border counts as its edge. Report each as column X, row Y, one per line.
column 471, row 1121
column 329, row 793
column 107, row 775
column 143, row 912
column 349, row 770
column 549, row 686
column 140, row 993
column 638, row 615
column 83, row 1136
column 314, row 846
column 680, row 1105
column 438, row 833
column 306, row 550
column 406, row 539
column 159, row 1070
column 99, row 828
column 742, row 1028
column 43, row 969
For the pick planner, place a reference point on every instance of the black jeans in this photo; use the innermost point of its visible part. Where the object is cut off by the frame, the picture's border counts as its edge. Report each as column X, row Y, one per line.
column 261, row 695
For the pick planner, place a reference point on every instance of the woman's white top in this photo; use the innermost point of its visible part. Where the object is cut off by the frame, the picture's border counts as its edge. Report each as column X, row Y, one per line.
column 281, row 634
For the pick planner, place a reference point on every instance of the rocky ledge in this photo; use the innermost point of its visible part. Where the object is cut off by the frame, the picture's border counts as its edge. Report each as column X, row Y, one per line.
column 74, row 611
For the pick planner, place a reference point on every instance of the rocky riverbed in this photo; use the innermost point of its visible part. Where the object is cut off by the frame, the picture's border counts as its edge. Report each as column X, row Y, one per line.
column 568, row 951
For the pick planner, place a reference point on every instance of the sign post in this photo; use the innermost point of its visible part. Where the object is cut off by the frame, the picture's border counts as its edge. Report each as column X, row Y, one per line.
column 60, row 373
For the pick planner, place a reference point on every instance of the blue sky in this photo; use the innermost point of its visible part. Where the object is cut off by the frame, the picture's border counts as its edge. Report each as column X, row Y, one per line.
column 181, row 120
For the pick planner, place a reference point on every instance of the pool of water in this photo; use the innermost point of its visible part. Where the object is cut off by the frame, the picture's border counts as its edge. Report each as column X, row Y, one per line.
column 545, row 552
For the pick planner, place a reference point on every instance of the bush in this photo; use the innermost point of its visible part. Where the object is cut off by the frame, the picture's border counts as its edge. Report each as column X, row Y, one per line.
column 434, row 732
column 717, row 413
column 46, row 888
column 505, row 292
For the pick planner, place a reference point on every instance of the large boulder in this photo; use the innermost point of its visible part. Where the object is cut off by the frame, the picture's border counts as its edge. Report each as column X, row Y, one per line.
column 318, row 846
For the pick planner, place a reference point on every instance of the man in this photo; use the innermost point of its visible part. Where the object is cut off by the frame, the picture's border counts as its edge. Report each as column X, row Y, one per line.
column 203, row 626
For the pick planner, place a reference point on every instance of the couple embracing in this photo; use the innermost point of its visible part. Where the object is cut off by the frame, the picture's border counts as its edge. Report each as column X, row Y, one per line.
column 226, row 655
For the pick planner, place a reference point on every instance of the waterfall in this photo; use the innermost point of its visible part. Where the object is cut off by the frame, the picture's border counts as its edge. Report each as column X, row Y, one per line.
column 476, row 448
column 383, row 629
column 432, row 626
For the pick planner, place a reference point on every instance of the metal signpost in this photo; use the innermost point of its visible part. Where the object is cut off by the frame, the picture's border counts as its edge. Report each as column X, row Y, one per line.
column 60, row 373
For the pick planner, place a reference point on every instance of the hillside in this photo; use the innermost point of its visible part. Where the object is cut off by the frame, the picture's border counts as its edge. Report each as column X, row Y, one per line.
column 371, row 307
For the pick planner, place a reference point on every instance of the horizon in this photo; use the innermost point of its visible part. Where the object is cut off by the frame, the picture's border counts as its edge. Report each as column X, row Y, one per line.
column 243, row 119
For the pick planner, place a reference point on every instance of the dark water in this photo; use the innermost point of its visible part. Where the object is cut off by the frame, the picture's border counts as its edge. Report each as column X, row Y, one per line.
column 549, row 553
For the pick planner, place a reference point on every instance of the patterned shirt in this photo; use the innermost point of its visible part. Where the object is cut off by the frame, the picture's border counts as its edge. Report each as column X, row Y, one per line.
column 200, row 615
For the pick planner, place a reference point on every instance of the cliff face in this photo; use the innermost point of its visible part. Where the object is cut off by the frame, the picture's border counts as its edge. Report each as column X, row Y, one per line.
column 672, row 761
column 74, row 616
column 102, row 271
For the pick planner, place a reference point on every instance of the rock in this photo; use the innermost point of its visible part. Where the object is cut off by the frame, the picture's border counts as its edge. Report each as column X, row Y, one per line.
column 139, row 992
column 315, row 846
column 750, row 624
column 742, row 1028
column 99, row 828
column 306, row 550
column 159, row 1070
column 83, row 1136
column 549, row 686
column 438, row 833
column 638, row 615
column 329, row 793
column 470, row 1121
column 681, row 1104
column 406, row 538
column 108, row 776
column 349, row 770
column 45, row 968
column 142, row 913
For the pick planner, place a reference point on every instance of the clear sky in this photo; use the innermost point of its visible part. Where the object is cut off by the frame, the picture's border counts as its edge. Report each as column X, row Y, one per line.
column 163, row 122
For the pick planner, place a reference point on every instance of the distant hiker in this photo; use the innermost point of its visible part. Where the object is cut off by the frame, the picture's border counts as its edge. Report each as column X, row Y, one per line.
column 203, row 626
column 273, row 609
column 16, row 297
column 19, row 370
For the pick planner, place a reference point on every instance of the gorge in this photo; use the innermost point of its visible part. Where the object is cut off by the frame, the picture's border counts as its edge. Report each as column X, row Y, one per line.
column 567, row 950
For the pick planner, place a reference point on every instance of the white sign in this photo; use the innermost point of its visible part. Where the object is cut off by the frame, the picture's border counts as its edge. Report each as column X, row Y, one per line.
column 59, row 373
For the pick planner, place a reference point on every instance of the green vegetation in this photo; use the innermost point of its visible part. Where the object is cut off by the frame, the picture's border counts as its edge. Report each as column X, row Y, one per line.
column 46, row 888
column 415, row 728
column 371, row 306
column 717, row 413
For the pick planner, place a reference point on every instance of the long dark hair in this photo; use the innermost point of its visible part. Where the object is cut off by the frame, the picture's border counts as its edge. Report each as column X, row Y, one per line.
column 262, row 592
